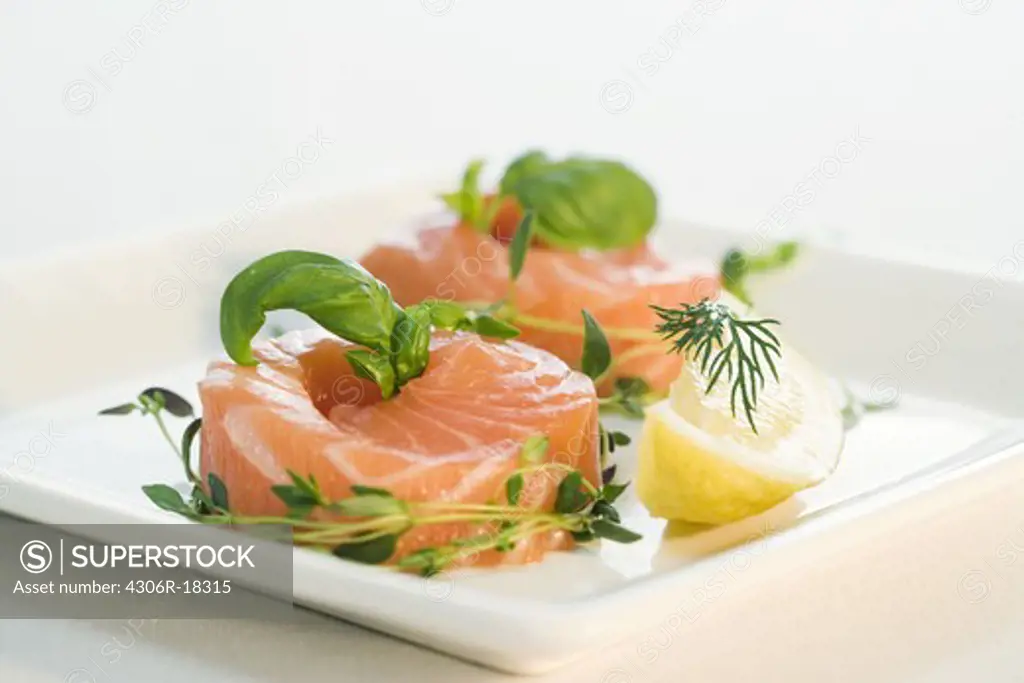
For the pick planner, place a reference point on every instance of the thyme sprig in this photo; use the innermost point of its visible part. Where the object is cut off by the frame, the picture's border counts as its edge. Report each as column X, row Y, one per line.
column 155, row 401
column 710, row 334
column 366, row 526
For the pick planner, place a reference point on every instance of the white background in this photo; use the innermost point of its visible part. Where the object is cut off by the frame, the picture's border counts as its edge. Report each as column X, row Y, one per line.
column 750, row 98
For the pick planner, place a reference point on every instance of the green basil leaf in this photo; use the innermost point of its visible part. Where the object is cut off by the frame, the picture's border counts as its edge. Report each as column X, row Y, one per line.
column 519, row 168
column 338, row 294
column 488, row 326
column 374, row 551
column 519, row 246
column 597, row 355
column 410, row 343
column 613, row 532
column 374, row 367
column 588, row 203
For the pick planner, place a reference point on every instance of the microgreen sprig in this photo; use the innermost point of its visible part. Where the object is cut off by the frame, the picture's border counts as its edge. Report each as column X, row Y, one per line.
column 738, row 265
column 470, row 203
column 710, row 334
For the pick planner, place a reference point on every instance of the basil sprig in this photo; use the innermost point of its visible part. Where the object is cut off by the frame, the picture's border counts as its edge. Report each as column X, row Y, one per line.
column 578, row 202
column 346, row 300
column 582, row 202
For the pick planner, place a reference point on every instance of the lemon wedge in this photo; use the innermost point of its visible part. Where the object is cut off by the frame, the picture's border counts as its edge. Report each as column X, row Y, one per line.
column 699, row 463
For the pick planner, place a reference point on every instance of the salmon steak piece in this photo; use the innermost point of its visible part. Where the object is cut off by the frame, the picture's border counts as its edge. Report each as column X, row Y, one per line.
column 453, row 434
column 455, row 262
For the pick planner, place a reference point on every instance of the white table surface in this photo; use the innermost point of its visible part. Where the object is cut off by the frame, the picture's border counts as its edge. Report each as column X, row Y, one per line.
column 751, row 99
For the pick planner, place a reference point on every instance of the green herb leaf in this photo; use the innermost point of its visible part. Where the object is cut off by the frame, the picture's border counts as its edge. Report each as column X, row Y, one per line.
column 169, row 401
column 584, row 203
column 167, row 498
column 629, row 396
column 445, row 315
column 376, row 368
column 187, row 437
column 374, row 551
column 306, row 491
column 370, row 505
column 513, row 488
column 297, row 500
column 410, row 343
column 613, row 532
column 534, row 449
column 604, row 510
column 737, row 265
column 338, row 294
column 369, row 491
column 450, row 315
column 123, row 409
column 608, row 474
column 201, row 503
column 426, row 561
column 218, row 491
column 468, row 201
column 597, row 355
column 569, row 498
column 583, row 535
column 519, row 246
column 531, row 162
column 611, row 492
column 488, row 326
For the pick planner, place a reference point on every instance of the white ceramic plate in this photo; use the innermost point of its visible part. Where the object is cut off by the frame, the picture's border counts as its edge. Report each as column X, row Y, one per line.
column 92, row 329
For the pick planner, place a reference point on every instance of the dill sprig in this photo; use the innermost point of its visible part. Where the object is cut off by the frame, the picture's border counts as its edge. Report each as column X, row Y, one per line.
column 710, row 334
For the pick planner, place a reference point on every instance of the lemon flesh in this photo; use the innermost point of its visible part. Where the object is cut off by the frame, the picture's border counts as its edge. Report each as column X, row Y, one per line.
column 700, row 463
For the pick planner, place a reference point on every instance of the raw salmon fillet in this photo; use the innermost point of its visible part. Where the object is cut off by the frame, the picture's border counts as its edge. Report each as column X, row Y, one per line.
column 455, row 262
column 453, row 434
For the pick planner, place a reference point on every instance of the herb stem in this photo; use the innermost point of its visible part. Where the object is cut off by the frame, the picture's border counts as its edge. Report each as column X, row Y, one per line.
column 192, row 476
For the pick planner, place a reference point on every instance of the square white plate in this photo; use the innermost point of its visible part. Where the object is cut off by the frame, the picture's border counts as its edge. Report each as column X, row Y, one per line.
column 93, row 329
